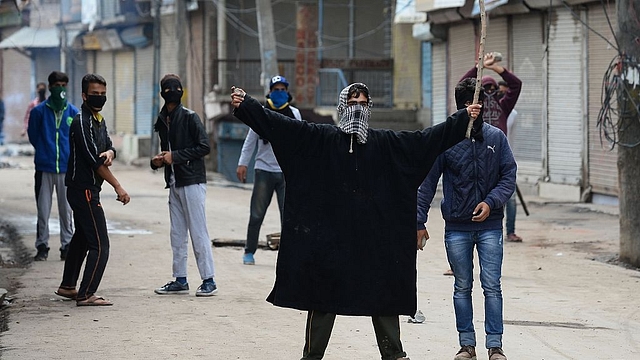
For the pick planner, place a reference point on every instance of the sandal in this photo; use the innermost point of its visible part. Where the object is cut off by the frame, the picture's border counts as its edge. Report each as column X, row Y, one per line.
column 67, row 294
column 94, row 301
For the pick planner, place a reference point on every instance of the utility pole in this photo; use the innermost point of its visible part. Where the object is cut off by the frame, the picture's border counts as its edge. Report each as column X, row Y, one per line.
column 267, row 37
column 222, row 45
column 307, row 63
column 629, row 133
column 156, row 75
column 181, row 37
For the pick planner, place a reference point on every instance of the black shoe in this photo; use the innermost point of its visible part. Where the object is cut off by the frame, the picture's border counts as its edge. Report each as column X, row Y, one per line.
column 43, row 253
column 173, row 287
column 63, row 253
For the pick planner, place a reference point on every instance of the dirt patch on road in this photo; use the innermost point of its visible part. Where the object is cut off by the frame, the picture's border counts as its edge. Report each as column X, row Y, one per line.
column 14, row 260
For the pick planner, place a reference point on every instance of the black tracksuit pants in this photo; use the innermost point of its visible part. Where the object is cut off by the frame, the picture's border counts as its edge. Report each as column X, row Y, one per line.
column 90, row 240
column 320, row 325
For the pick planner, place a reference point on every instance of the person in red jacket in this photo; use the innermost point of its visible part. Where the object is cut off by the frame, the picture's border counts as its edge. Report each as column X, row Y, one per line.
column 496, row 106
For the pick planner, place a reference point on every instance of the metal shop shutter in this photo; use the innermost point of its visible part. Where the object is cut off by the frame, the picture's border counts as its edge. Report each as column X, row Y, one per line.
column 144, row 90
column 565, row 99
column 439, row 82
column 104, row 67
column 462, row 53
column 528, row 49
column 125, row 91
column 603, row 170
column 497, row 40
column 168, row 48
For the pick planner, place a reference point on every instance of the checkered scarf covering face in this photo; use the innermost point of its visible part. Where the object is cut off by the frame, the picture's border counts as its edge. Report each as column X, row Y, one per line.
column 354, row 119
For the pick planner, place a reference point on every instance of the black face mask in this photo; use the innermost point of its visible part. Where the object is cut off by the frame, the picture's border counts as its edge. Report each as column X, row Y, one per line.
column 96, row 101
column 172, row 96
column 41, row 94
column 171, row 91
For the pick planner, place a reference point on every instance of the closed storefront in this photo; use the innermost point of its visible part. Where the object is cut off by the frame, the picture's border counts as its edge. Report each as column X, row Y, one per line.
column 603, row 171
column 439, row 82
column 462, row 50
column 104, row 66
column 124, row 86
column 144, row 90
column 497, row 40
column 168, row 47
column 527, row 51
column 565, row 99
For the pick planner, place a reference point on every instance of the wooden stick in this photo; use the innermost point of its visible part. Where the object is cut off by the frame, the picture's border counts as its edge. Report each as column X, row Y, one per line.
column 483, row 35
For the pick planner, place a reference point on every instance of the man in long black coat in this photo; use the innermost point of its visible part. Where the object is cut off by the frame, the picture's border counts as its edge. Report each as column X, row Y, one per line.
column 348, row 242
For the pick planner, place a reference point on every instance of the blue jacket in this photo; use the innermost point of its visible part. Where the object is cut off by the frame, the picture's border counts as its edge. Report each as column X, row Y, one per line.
column 49, row 135
column 473, row 171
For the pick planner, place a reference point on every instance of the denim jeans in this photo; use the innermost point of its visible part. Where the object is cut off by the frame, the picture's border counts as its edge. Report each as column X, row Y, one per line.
column 264, row 184
column 489, row 244
column 511, row 214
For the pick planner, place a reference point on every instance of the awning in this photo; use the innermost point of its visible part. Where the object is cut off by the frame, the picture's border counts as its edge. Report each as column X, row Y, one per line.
column 406, row 13
column 29, row 37
column 488, row 6
column 431, row 5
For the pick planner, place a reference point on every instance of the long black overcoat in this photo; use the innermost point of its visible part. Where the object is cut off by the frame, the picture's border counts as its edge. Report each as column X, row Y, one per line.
column 348, row 242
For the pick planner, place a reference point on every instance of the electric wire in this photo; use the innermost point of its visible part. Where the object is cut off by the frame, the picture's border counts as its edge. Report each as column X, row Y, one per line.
column 620, row 108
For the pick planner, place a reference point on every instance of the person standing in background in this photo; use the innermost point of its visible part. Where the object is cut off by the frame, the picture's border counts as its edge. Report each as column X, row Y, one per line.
column 268, row 175
column 41, row 91
column 511, row 207
column 48, row 131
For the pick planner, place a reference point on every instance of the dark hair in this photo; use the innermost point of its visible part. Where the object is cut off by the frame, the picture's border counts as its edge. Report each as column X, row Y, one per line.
column 502, row 83
column 170, row 77
column 40, row 84
column 92, row 79
column 57, row 76
column 356, row 89
column 464, row 92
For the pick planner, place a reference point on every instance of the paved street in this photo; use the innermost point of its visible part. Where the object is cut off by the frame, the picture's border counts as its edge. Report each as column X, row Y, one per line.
column 564, row 295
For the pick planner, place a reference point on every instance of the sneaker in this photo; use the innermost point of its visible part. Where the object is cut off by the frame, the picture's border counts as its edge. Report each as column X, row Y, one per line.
column 513, row 238
column 173, row 287
column 43, row 253
column 63, row 253
column 496, row 353
column 247, row 259
column 208, row 288
column 466, row 352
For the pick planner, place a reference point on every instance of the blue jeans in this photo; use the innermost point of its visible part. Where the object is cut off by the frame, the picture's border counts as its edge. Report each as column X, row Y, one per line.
column 459, row 246
column 264, row 184
column 511, row 214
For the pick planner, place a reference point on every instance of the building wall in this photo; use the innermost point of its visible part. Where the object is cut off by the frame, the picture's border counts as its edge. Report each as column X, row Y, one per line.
column 406, row 82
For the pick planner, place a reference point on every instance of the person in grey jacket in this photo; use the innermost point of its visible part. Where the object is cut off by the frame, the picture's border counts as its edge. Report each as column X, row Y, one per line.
column 184, row 144
column 479, row 177
column 268, row 176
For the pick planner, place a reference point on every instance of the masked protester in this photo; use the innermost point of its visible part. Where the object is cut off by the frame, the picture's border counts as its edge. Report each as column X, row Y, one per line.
column 91, row 155
column 48, row 129
column 498, row 110
column 184, row 144
column 348, row 243
column 268, row 177
column 478, row 177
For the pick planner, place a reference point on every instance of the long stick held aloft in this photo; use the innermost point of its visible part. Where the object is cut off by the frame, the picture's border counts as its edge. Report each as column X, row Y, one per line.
column 483, row 35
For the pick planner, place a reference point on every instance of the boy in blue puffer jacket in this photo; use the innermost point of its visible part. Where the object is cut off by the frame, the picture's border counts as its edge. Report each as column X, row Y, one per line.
column 479, row 177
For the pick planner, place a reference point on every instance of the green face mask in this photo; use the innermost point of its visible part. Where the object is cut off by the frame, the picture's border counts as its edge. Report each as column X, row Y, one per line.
column 58, row 98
